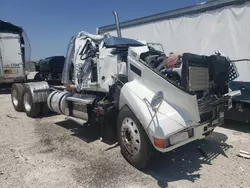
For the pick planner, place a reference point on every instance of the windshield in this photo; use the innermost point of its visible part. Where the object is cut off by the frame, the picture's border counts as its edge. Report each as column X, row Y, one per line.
column 156, row 46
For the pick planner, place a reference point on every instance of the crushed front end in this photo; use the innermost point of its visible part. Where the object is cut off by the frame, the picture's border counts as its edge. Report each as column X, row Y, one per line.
column 208, row 78
column 196, row 103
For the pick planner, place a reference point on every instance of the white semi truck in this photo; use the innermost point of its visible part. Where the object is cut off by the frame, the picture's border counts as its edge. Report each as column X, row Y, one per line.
column 127, row 83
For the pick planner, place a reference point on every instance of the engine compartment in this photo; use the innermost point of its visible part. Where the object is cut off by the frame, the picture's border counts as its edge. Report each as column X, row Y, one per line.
column 198, row 74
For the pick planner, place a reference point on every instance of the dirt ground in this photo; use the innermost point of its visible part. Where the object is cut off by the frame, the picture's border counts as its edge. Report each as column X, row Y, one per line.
column 53, row 153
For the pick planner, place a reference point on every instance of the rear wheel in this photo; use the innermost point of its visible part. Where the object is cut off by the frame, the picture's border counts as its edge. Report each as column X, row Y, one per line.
column 44, row 108
column 32, row 109
column 17, row 97
column 135, row 145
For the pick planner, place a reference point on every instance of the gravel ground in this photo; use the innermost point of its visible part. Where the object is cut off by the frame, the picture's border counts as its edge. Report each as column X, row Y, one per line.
column 53, row 153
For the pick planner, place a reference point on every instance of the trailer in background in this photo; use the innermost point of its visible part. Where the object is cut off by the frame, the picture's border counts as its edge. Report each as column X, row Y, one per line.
column 14, row 53
column 15, row 64
column 205, row 28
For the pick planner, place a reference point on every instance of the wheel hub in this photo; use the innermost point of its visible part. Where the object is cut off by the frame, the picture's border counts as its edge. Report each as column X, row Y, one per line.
column 14, row 97
column 130, row 136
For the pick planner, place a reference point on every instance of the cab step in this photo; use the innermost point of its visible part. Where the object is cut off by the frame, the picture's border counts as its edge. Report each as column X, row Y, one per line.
column 76, row 120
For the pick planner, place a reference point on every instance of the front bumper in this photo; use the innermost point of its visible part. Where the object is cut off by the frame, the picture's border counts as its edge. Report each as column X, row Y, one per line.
column 212, row 115
column 192, row 133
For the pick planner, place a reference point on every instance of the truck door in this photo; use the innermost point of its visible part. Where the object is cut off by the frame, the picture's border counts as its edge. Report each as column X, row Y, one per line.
column 11, row 61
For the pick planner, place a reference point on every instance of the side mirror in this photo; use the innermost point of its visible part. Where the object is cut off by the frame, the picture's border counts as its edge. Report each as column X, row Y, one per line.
column 157, row 100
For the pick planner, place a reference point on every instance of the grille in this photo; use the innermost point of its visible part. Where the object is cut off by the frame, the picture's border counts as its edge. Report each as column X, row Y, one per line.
column 198, row 78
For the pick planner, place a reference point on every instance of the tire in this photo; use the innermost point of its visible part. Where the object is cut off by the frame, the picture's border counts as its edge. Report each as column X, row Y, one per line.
column 31, row 109
column 17, row 97
column 141, row 154
column 44, row 108
column 38, row 78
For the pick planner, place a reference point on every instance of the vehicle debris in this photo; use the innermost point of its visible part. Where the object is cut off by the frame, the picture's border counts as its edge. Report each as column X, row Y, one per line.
column 12, row 117
column 244, row 154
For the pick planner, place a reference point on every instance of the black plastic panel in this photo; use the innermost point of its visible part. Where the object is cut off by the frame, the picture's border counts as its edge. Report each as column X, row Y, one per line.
column 135, row 70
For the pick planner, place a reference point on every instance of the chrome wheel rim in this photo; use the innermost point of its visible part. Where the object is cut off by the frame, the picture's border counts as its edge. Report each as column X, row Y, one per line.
column 14, row 98
column 130, row 136
column 26, row 101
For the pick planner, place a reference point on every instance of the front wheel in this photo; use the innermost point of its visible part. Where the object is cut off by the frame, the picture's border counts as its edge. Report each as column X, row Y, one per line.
column 135, row 145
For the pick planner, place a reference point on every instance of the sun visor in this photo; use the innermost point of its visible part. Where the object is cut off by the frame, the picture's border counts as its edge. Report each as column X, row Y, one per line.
column 116, row 42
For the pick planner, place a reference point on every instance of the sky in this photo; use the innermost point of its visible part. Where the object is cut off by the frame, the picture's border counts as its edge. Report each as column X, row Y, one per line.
column 50, row 24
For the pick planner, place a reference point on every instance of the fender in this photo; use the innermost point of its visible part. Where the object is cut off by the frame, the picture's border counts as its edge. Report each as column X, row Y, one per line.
column 161, row 124
column 31, row 75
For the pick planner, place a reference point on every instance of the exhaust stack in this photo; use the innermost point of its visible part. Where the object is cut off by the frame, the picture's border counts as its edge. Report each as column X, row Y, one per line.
column 119, row 34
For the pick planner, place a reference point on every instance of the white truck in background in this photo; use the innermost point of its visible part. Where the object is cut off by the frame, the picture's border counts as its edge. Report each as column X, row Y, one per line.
column 14, row 53
column 15, row 64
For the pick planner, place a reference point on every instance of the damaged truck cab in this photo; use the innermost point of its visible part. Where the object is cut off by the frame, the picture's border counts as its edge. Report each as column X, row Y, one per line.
column 151, row 104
